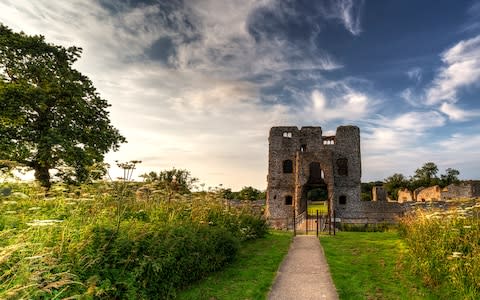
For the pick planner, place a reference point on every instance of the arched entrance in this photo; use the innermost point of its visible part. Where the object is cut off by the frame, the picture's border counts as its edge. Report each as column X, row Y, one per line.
column 315, row 192
column 312, row 211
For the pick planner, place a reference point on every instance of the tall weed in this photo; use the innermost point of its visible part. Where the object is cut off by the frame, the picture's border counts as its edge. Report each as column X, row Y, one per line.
column 444, row 249
column 77, row 243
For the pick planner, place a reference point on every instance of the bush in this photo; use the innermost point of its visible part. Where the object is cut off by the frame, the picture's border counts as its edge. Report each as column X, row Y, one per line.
column 149, row 262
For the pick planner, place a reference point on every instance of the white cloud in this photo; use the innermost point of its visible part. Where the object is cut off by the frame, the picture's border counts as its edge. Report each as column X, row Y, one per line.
column 415, row 74
column 461, row 70
column 418, row 121
column 400, row 134
column 410, row 97
column 457, row 114
column 350, row 105
column 349, row 14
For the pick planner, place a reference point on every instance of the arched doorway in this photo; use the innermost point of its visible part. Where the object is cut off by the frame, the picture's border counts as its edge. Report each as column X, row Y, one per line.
column 315, row 191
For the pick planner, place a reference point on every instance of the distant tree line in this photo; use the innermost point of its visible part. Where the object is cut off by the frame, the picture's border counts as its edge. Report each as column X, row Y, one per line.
column 425, row 176
column 246, row 193
column 181, row 181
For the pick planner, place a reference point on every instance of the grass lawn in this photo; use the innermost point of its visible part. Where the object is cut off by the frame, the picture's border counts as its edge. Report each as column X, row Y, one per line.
column 322, row 209
column 249, row 276
column 369, row 265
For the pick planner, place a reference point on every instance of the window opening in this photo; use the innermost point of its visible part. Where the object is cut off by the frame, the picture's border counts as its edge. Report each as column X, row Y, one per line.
column 288, row 200
column 316, row 174
column 328, row 140
column 287, row 134
column 342, row 166
column 287, row 166
column 303, row 148
column 342, row 199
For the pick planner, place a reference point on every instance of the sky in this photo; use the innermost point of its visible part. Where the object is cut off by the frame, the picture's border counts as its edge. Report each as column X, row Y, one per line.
column 197, row 84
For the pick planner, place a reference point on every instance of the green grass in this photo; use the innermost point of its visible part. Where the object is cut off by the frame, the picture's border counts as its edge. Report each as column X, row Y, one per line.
column 249, row 276
column 370, row 265
column 312, row 209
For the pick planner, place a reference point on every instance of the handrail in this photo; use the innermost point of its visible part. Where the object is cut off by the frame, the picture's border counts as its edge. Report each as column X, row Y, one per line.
column 300, row 218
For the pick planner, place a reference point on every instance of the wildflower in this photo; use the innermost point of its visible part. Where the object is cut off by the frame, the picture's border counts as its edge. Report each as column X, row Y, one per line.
column 9, row 202
column 456, row 254
column 43, row 222
column 34, row 257
column 34, row 208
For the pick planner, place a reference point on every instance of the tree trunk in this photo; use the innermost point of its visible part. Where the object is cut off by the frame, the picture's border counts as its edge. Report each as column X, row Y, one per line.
column 42, row 174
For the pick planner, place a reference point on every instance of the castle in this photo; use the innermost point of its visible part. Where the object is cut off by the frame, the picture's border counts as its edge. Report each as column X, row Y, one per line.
column 305, row 165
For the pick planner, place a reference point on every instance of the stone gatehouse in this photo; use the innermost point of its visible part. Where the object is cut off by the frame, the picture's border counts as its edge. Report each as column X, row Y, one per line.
column 303, row 161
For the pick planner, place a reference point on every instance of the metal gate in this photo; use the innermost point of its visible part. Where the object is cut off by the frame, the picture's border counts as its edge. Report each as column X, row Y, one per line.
column 317, row 223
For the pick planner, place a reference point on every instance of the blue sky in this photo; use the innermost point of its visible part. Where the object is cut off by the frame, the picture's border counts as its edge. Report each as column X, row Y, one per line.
column 197, row 84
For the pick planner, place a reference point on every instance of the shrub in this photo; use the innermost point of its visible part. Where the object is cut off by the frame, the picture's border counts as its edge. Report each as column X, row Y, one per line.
column 146, row 261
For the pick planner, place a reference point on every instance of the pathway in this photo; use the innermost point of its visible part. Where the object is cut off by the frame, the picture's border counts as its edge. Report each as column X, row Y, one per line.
column 304, row 273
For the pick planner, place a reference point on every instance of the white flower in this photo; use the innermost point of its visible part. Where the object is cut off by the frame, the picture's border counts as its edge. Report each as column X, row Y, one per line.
column 43, row 222
column 457, row 254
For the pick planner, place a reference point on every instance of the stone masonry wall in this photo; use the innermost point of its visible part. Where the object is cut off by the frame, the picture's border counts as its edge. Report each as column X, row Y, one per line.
column 379, row 194
column 404, row 195
column 429, row 194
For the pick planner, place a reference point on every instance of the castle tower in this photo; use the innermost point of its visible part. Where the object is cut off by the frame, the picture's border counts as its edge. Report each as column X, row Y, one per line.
column 304, row 165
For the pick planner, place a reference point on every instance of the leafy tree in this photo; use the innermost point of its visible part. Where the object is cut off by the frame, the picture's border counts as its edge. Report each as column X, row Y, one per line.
column 249, row 193
column 450, row 176
column 426, row 175
column 227, row 194
column 428, row 171
column 51, row 116
column 394, row 183
column 179, row 179
column 317, row 194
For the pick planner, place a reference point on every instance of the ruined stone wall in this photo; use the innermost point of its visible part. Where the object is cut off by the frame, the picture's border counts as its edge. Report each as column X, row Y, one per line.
column 429, row 194
column 370, row 212
column 347, row 186
column 379, row 194
column 283, row 144
column 454, row 191
column 404, row 195
column 467, row 189
column 475, row 188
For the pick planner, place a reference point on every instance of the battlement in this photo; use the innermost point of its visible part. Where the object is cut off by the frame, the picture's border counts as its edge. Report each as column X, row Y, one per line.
column 313, row 134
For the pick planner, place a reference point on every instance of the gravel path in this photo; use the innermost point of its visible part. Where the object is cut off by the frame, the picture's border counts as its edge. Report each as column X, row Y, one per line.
column 304, row 273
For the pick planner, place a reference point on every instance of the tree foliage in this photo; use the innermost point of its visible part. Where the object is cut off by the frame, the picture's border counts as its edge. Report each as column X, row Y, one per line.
column 246, row 193
column 424, row 176
column 178, row 179
column 394, row 183
column 51, row 116
column 250, row 193
column 450, row 176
